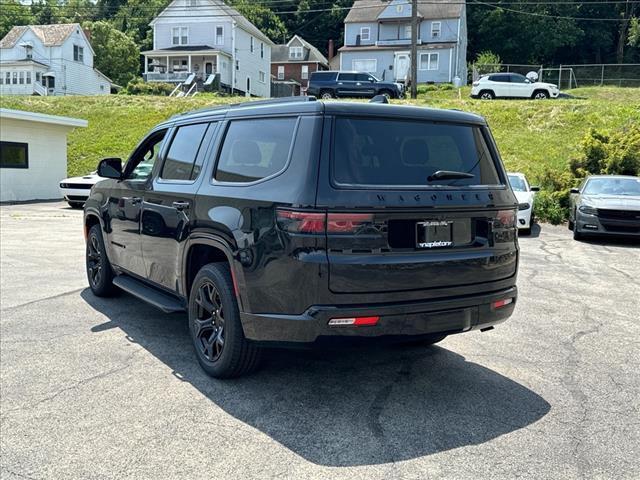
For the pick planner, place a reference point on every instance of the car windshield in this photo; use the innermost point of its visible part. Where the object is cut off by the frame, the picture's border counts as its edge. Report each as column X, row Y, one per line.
column 517, row 183
column 613, row 186
column 374, row 77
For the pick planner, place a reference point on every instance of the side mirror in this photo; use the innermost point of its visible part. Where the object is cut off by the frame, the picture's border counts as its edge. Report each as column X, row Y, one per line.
column 535, row 189
column 110, row 168
column 574, row 190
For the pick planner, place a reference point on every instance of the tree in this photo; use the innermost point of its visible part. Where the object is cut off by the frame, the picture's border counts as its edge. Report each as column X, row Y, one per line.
column 13, row 13
column 634, row 33
column 116, row 54
column 262, row 17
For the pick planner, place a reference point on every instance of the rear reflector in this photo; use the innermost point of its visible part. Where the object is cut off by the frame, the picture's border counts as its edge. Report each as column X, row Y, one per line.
column 506, row 218
column 301, row 222
column 347, row 222
column 502, row 303
column 355, row 322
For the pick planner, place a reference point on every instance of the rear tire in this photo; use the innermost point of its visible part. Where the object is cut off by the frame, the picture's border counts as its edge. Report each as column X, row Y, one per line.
column 99, row 272
column 326, row 95
column 486, row 95
column 215, row 327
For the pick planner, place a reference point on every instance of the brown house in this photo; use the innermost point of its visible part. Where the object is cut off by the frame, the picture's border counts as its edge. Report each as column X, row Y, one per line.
column 295, row 61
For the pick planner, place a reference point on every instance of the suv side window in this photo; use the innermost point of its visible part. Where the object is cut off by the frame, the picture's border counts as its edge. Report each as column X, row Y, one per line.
column 517, row 78
column 363, row 77
column 255, row 149
column 141, row 163
column 347, row 77
column 499, row 78
column 180, row 163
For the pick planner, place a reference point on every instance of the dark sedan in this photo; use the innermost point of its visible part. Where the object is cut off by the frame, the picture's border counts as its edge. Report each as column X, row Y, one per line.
column 606, row 205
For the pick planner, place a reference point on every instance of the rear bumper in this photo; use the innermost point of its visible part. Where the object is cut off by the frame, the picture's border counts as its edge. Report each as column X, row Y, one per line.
column 452, row 315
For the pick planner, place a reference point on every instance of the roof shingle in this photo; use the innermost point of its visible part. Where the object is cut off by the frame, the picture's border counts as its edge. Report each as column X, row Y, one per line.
column 364, row 11
column 50, row 35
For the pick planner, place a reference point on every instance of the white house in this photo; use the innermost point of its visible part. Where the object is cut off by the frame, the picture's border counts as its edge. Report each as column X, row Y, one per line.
column 33, row 154
column 49, row 60
column 205, row 37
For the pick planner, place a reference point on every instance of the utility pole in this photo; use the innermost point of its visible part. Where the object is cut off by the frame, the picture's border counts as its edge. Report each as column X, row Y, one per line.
column 414, row 48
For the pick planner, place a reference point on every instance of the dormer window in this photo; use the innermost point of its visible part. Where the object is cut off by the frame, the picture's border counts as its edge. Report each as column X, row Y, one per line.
column 295, row 53
column 29, row 51
column 399, row 8
column 435, row 29
column 180, row 36
column 365, row 34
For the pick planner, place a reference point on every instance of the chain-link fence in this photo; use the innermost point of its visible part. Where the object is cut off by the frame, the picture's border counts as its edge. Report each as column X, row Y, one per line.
column 571, row 76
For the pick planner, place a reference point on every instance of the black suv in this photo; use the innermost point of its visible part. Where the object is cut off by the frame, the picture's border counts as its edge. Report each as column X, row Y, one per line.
column 294, row 221
column 328, row 85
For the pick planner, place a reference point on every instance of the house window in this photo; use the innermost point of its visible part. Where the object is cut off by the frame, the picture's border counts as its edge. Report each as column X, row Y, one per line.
column 14, row 155
column 219, row 35
column 7, row 78
column 429, row 61
column 365, row 34
column 78, row 53
column 399, row 8
column 368, row 66
column 180, row 35
column 251, row 44
column 295, row 53
column 262, row 76
column 28, row 78
column 281, row 72
column 15, row 78
column 237, row 64
column 38, row 77
column 180, row 65
column 406, row 32
column 21, row 78
column 29, row 51
column 261, row 50
column 304, row 74
column 435, row 29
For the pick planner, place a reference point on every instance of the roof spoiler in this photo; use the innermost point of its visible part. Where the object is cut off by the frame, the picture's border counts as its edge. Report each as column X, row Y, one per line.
column 379, row 99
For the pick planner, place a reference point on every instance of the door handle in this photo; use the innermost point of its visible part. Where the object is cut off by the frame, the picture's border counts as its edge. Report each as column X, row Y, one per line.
column 180, row 205
column 339, row 83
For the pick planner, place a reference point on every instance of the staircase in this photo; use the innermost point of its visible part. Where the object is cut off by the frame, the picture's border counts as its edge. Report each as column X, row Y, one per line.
column 39, row 89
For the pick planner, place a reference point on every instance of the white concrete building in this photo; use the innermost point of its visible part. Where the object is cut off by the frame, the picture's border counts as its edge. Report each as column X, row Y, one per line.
column 33, row 154
column 49, row 60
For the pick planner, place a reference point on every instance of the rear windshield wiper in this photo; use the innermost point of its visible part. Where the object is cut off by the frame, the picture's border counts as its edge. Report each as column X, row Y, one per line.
column 449, row 175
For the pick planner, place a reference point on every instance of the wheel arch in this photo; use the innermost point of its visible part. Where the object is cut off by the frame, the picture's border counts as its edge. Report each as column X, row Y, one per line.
column 201, row 250
column 90, row 220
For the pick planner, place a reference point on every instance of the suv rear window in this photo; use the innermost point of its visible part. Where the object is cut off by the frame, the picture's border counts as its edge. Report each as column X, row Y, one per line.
column 323, row 76
column 255, row 149
column 384, row 152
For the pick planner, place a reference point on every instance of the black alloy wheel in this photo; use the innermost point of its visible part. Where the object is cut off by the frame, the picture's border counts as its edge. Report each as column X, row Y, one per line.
column 208, row 323
column 99, row 272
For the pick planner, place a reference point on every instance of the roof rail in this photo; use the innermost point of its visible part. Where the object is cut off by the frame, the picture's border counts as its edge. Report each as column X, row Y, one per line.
column 274, row 101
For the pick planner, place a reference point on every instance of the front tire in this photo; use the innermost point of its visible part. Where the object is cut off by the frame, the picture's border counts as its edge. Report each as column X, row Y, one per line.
column 387, row 93
column 214, row 324
column 99, row 272
column 540, row 95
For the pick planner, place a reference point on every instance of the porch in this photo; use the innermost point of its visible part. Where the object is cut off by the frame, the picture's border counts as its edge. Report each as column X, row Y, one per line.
column 176, row 66
column 26, row 78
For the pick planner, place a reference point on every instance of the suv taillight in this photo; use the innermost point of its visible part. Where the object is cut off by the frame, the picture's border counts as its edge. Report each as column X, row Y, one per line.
column 319, row 222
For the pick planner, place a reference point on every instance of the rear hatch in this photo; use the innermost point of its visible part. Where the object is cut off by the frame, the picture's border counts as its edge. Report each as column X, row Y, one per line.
column 414, row 205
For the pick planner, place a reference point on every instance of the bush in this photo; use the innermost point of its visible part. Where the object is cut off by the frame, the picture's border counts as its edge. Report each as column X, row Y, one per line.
column 609, row 153
column 139, row 87
column 486, row 62
column 445, row 86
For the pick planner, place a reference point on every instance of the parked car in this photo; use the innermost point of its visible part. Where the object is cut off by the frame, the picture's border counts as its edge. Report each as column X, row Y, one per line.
column 512, row 85
column 606, row 205
column 291, row 221
column 332, row 84
column 526, row 196
column 75, row 190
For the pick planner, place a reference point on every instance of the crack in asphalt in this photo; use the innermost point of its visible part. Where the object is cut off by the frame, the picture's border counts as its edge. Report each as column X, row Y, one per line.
column 53, row 297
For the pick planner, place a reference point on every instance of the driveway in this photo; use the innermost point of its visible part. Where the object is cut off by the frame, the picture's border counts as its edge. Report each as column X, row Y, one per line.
column 109, row 388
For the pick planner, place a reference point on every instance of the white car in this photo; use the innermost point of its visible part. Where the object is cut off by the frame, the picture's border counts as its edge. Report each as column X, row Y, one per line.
column 75, row 190
column 512, row 85
column 526, row 196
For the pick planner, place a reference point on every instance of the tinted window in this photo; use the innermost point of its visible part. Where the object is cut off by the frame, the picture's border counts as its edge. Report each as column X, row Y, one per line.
column 323, row 76
column 181, row 158
column 141, row 163
column 363, row 77
column 347, row 77
column 395, row 152
column 255, row 149
column 499, row 78
column 517, row 78
column 14, row 155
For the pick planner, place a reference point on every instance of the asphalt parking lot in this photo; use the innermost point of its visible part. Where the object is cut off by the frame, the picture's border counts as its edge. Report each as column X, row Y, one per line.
column 94, row 388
